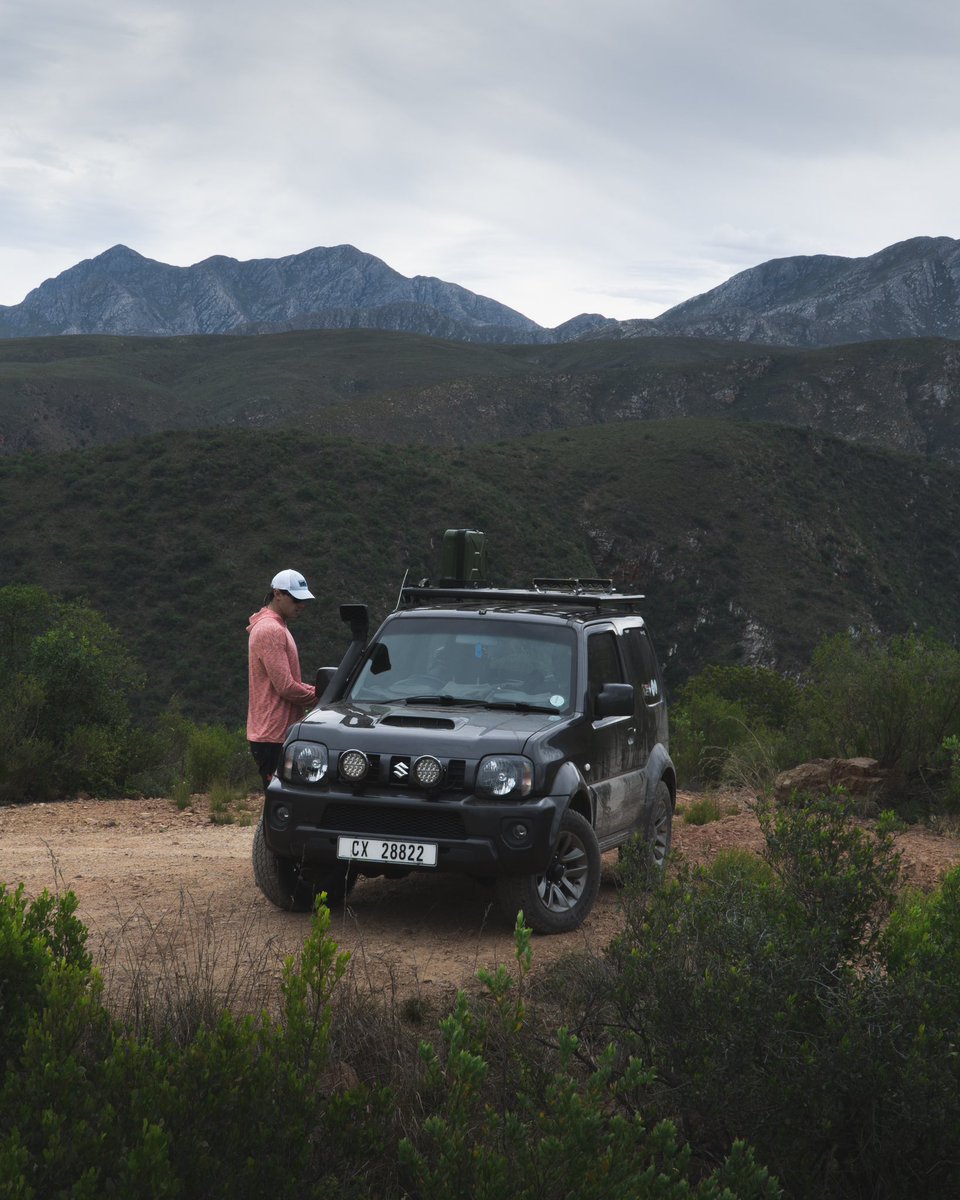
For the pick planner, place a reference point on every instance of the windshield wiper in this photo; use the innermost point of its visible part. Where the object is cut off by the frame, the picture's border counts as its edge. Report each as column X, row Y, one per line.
column 517, row 706
column 443, row 698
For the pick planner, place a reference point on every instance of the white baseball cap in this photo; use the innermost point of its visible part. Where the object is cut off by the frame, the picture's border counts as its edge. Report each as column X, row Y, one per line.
column 294, row 583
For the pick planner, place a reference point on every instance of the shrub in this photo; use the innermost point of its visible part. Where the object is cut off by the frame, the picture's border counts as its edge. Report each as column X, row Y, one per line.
column 65, row 682
column 244, row 1107
column 703, row 810
column 702, row 732
column 89, row 1109
column 503, row 1123
column 807, row 1026
column 894, row 700
column 727, row 726
column 215, row 754
column 764, row 696
column 33, row 937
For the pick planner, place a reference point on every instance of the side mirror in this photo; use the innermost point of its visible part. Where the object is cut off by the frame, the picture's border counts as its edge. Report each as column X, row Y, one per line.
column 614, row 700
column 380, row 659
column 324, row 675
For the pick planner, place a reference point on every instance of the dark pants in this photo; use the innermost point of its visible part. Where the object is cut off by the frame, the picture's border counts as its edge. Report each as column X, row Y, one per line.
column 267, row 757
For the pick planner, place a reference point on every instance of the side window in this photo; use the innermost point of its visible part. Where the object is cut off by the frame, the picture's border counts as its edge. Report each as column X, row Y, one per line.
column 642, row 665
column 603, row 662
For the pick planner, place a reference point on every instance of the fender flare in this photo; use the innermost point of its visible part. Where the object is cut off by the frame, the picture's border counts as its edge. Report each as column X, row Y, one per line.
column 567, row 786
column 660, row 767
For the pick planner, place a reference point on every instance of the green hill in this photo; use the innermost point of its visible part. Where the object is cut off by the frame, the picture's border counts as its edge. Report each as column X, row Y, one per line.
column 74, row 392
column 751, row 540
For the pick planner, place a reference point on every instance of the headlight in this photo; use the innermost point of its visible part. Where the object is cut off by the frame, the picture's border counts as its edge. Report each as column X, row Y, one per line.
column 305, row 762
column 506, row 776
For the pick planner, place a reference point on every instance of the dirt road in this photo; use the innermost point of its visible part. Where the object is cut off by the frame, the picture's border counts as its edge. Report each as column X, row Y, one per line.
column 155, row 883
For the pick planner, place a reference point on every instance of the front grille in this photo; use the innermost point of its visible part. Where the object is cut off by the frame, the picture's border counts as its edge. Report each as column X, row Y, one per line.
column 396, row 822
column 396, row 771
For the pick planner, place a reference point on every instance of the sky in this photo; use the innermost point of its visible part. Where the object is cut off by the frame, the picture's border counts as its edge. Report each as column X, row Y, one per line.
column 610, row 156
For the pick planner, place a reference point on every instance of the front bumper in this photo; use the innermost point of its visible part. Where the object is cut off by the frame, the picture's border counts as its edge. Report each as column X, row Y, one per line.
column 472, row 836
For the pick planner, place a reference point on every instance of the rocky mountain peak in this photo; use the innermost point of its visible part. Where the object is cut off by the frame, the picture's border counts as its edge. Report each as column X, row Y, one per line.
column 910, row 289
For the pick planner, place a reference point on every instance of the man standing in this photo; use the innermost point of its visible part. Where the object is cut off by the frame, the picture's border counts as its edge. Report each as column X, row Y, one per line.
column 278, row 696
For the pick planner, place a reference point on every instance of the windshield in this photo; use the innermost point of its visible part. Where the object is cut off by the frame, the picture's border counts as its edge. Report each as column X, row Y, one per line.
column 460, row 660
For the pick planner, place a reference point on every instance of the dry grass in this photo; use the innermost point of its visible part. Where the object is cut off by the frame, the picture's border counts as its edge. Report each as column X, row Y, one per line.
column 172, row 973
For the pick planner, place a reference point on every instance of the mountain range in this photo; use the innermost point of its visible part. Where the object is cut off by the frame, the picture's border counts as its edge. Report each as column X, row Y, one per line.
column 908, row 290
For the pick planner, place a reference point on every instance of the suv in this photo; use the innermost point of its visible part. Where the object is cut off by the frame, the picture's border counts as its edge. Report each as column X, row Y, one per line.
column 513, row 735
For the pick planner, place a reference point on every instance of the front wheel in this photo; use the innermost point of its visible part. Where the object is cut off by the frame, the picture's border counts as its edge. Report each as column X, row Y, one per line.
column 286, row 885
column 558, row 899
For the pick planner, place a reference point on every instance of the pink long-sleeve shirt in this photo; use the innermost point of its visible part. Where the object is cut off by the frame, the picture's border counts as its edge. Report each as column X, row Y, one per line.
column 278, row 697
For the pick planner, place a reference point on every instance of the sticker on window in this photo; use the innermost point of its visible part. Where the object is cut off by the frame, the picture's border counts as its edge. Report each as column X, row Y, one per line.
column 557, row 701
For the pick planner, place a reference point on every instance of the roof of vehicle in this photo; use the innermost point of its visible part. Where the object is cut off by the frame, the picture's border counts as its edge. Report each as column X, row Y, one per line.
column 581, row 599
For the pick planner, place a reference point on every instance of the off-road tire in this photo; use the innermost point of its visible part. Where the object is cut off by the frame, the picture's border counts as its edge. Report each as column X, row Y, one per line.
column 559, row 898
column 659, row 832
column 643, row 856
column 282, row 883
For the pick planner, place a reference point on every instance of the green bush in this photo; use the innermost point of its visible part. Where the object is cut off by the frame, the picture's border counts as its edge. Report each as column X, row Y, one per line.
column 895, row 700
column 764, row 696
column 33, row 938
column 87, row 1109
column 775, row 1004
column 215, row 754
column 727, row 724
column 244, row 1107
column 703, row 811
column 510, row 1117
column 703, row 731
column 65, row 684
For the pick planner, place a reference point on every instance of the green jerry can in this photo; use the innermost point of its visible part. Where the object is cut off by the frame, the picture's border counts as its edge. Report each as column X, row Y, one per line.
column 463, row 557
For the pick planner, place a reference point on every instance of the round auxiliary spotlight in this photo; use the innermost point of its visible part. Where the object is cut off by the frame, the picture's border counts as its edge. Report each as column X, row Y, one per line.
column 427, row 771
column 354, row 765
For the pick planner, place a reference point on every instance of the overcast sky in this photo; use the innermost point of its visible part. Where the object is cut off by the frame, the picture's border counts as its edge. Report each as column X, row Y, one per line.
column 560, row 156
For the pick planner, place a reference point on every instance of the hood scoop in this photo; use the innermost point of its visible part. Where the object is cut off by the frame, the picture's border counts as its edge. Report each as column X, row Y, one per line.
column 413, row 722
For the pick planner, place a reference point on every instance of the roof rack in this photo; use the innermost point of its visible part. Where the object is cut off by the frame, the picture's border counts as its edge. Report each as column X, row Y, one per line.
column 575, row 597
column 573, row 585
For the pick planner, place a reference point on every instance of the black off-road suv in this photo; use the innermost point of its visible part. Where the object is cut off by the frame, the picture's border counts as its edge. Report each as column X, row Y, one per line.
column 510, row 734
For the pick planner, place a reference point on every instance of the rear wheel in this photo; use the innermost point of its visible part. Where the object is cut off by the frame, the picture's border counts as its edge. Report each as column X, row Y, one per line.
column 660, row 828
column 559, row 898
column 288, row 886
column 644, row 856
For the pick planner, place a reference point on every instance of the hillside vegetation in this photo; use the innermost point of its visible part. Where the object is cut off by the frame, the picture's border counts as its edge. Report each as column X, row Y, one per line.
column 74, row 392
column 751, row 541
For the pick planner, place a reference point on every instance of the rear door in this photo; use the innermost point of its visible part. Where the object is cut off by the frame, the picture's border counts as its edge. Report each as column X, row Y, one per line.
column 643, row 672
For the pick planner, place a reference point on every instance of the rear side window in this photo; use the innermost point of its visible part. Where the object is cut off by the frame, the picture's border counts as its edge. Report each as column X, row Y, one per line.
column 603, row 662
column 642, row 665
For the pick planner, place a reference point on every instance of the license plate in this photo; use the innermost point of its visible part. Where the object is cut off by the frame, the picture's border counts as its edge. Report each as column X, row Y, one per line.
column 388, row 850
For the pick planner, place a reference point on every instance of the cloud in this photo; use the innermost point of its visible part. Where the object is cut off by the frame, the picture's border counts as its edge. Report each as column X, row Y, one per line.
column 614, row 156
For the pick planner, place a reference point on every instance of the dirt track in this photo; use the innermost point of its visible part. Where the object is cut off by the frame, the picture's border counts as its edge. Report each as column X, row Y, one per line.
column 155, row 882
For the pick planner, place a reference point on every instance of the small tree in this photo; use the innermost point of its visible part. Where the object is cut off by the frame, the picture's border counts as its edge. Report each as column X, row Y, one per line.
column 65, row 683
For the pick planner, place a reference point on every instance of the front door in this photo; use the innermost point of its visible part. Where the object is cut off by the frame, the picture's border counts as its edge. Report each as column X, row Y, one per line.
column 612, row 764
